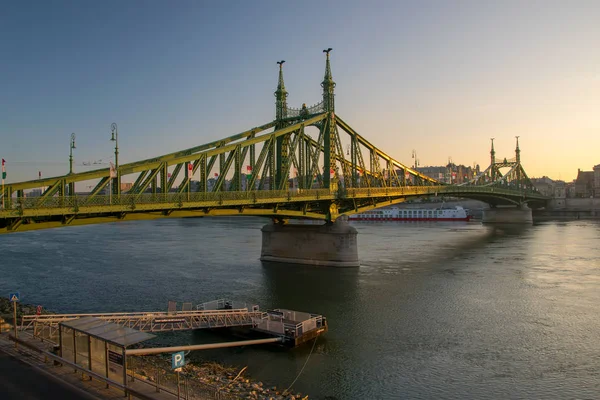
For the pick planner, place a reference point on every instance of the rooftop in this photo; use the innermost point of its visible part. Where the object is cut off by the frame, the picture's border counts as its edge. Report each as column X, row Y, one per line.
column 107, row 331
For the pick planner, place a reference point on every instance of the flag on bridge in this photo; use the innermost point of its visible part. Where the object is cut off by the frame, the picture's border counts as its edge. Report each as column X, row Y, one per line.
column 248, row 171
column 331, row 172
column 113, row 170
column 190, row 170
column 3, row 169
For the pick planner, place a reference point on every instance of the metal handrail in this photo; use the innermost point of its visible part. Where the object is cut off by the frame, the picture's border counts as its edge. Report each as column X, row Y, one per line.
column 249, row 197
column 27, row 321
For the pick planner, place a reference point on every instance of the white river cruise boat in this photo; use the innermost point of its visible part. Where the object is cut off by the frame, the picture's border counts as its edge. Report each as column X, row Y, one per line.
column 413, row 214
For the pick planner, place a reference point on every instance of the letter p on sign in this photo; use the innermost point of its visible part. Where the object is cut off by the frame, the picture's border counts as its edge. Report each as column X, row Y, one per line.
column 177, row 360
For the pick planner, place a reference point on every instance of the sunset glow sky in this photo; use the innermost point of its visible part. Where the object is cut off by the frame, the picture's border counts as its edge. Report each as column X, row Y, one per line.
column 440, row 77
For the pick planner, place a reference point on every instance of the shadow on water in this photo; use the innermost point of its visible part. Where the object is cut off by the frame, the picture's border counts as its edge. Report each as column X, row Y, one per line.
column 510, row 230
column 307, row 288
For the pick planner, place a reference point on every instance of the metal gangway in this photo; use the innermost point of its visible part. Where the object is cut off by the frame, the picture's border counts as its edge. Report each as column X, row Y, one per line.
column 215, row 314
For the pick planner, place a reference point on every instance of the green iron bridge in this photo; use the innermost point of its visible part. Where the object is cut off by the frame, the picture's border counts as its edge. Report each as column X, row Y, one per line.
column 307, row 163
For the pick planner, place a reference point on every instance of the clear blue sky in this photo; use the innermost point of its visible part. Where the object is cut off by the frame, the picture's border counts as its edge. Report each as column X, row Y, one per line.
column 441, row 77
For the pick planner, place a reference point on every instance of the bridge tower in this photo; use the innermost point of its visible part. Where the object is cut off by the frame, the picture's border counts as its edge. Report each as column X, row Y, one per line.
column 518, row 160
column 281, row 160
column 494, row 170
column 330, row 134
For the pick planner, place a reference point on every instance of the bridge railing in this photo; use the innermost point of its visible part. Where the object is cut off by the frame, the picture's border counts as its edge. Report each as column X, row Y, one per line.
column 259, row 196
column 439, row 190
column 165, row 198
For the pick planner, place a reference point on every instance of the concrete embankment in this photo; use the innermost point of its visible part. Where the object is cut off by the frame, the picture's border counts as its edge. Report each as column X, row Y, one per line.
column 569, row 209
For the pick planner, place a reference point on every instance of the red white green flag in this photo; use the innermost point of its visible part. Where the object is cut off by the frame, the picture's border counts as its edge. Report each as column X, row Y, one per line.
column 3, row 169
column 113, row 171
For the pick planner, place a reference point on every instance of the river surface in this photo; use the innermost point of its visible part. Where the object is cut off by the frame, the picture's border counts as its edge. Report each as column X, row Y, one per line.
column 436, row 310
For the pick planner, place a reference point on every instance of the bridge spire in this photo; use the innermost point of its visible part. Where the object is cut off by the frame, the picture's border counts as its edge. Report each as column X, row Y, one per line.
column 518, row 152
column 328, row 85
column 281, row 96
column 493, row 152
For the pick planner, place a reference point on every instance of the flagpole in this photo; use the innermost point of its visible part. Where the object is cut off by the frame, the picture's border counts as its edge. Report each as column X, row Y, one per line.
column 3, row 172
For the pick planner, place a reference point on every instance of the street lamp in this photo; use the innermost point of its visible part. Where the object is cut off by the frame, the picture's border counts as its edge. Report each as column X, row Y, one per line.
column 71, row 147
column 115, row 138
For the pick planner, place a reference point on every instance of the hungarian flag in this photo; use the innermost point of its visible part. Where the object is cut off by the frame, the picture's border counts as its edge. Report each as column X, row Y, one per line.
column 190, row 170
column 331, row 172
column 216, row 174
column 248, row 171
column 3, row 169
column 406, row 175
column 113, row 171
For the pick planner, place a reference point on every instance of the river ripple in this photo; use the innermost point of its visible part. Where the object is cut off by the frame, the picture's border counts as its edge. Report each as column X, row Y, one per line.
column 436, row 311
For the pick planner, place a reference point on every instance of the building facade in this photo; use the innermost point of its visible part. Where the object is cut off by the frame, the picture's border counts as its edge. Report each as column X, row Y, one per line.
column 584, row 184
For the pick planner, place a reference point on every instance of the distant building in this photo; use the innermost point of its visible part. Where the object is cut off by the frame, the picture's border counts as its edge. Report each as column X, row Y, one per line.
column 35, row 193
column 570, row 189
column 597, row 180
column 438, row 173
column 584, row 184
column 544, row 185
column 451, row 173
column 560, row 189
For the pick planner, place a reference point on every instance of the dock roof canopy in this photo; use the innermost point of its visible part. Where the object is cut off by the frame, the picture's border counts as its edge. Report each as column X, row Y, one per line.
column 108, row 331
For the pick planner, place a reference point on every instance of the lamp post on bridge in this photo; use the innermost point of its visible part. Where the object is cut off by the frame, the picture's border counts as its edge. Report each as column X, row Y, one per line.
column 115, row 138
column 71, row 148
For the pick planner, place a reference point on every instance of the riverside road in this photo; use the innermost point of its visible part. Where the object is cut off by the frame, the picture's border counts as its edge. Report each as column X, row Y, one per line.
column 21, row 381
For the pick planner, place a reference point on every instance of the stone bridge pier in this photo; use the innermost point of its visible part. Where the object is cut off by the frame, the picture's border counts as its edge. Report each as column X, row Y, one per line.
column 518, row 214
column 328, row 245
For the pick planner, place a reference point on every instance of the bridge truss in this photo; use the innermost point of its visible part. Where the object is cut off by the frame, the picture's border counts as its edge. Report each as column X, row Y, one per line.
column 307, row 163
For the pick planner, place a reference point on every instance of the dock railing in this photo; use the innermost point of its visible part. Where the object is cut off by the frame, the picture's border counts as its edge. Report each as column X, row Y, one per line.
column 272, row 323
column 46, row 326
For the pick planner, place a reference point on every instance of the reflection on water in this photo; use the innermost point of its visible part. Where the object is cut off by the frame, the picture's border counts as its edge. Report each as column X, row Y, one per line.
column 444, row 311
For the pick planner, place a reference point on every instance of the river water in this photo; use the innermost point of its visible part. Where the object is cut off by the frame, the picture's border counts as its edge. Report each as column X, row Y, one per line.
column 436, row 310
